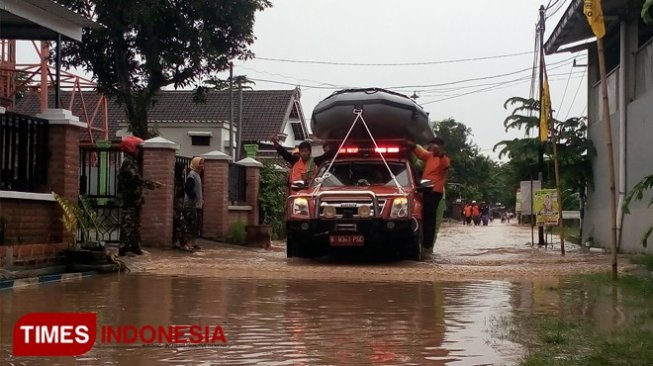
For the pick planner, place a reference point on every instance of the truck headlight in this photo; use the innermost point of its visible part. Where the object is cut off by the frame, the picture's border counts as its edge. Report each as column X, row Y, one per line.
column 399, row 207
column 300, row 206
column 364, row 211
column 329, row 212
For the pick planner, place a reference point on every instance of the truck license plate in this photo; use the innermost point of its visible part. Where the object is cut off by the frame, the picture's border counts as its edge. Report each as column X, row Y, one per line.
column 347, row 240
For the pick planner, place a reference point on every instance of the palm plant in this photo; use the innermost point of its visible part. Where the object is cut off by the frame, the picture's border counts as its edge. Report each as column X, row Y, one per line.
column 575, row 150
column 78, row 218
column 637, row 193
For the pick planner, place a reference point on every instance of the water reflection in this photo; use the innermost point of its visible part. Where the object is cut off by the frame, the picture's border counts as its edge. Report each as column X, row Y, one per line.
column 286, row 322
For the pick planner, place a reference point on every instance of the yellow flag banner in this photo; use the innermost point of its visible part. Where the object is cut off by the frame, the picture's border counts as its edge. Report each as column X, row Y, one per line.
column 545, row 111
column 594, row 13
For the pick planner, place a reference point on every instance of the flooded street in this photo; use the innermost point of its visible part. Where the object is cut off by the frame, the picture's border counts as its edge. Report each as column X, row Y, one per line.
column 499, row 251
column 456, row 310
column 279, row 322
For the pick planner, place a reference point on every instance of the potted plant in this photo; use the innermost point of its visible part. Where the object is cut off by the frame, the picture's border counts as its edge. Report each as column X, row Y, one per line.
column 81, row 218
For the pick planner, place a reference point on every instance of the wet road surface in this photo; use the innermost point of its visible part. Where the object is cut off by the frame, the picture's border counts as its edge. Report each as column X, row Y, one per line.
column 498, row 251
column 286, row 322
column 455, row 310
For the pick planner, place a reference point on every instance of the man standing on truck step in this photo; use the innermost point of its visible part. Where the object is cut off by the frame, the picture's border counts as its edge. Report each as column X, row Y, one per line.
column 436, row 169
column 303, row 167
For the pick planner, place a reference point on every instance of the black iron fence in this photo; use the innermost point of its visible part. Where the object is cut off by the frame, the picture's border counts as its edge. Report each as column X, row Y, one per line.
column 182, row 168
column 98, row 182
column 237, row 183
column 23, row 152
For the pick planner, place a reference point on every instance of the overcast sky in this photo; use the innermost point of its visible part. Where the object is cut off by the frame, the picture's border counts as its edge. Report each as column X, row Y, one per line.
column 414, row 31
column 367, row 32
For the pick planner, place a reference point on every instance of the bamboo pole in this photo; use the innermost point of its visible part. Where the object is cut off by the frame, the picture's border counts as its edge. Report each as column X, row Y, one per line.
column 608, row 131
column 556, row 165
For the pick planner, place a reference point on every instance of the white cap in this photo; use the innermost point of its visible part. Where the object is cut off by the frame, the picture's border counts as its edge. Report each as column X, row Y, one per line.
column 473, row 201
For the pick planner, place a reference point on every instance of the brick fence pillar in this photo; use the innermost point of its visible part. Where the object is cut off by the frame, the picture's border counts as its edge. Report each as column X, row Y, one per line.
column 216, row 195
column 63, row 142
column 252, row 179
column 157, row 214
column 63, row 164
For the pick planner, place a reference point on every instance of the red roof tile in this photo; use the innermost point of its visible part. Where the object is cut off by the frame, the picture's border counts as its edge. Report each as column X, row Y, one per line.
column 264, row 111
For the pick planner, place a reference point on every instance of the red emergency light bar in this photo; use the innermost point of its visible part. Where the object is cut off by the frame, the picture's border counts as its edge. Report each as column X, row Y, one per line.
column 380, row 150
column 349, row 150
column 387, row 149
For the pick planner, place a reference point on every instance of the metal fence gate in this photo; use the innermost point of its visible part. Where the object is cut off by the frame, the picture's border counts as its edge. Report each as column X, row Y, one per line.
column 182, row 167
column 98, row 183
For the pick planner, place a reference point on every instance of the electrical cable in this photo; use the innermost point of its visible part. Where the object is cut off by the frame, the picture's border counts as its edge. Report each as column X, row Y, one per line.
column 564, row 94
column 575, row 95
column 556, row 10
column 496, row 87
column 393, row 64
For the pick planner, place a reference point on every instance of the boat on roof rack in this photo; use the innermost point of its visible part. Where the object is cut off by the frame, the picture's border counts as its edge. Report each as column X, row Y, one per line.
column 389, row 115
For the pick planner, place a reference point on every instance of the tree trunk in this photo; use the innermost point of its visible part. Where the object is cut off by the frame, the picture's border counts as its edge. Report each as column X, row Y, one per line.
column 137, row 111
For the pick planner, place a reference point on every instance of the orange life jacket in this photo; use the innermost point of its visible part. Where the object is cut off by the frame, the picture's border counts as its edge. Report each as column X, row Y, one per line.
column 300, row 168
column 467, row 210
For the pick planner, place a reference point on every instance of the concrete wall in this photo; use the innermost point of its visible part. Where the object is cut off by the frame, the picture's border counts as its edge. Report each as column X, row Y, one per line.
column 639, row 164
column 639, row 152
column 596, row 225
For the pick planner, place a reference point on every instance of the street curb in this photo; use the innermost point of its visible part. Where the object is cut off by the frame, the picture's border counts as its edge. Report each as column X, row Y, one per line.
column 39, row 280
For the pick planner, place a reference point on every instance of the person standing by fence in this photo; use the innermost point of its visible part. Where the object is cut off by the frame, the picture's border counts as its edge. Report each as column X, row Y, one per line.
column 130, row 193
column 193, row 202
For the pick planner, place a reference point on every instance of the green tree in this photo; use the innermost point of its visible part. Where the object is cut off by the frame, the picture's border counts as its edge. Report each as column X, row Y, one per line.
column 637, row 193
column 574, row 148
column 150, row 44
column 272, row 198
column 647, row 12
column 471, row 173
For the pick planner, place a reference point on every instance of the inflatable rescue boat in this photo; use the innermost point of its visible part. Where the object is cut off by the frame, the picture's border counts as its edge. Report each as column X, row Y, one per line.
column 388, row 115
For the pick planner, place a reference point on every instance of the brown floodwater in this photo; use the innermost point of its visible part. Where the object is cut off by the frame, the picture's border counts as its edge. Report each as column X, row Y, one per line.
column 459, row 309
column 290, row 322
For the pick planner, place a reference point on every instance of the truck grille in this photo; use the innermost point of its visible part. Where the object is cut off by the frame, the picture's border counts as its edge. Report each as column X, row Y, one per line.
column 349, row 209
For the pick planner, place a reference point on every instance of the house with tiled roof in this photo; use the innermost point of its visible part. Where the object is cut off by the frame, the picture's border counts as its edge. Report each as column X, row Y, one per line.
column 200, row 127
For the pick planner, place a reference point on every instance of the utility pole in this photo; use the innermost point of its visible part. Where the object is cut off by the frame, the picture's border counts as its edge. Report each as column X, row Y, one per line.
column 231, row 110
column 540, row 163
column 239, row 140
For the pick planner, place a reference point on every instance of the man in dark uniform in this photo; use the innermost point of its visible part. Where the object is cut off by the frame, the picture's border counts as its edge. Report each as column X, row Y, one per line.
column 130, row 191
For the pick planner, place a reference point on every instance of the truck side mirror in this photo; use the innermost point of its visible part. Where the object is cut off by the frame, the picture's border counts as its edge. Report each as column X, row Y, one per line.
column 298, row 184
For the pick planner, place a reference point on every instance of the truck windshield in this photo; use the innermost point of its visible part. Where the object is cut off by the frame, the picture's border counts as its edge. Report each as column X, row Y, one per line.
column 365, row 174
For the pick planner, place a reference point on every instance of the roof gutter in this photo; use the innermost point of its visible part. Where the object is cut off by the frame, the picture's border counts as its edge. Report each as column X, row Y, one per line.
column 558, row 30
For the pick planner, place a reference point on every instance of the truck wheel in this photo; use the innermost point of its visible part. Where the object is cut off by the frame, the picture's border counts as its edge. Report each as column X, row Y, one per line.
column 293, row 248
column 413, row 249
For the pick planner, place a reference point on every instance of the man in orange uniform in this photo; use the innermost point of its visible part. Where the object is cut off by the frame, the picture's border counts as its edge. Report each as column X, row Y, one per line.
column 436, row 169
column 303, row 167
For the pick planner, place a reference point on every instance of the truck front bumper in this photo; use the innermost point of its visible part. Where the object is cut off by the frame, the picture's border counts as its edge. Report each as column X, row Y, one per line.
column 316, row 235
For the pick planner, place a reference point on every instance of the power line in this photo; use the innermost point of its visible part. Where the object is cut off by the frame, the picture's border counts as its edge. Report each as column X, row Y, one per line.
column 575, row 95
column 327, row 86
column 295, row 84
column 393, row 64
column 496, row 87
column 449, row 90
column 291, row 77
column 476, row 79
column 564, row 94
column 556, row 10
